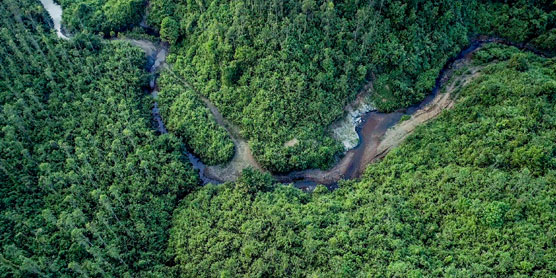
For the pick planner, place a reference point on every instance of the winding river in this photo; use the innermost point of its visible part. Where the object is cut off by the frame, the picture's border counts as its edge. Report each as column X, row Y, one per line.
column 378, row 132
column 156, row 60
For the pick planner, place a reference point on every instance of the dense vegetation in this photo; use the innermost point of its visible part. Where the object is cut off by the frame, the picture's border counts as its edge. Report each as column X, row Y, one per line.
column 186, row 116
column 105, row 16
column 285, row 69
column 470, row 194
column 86, row 187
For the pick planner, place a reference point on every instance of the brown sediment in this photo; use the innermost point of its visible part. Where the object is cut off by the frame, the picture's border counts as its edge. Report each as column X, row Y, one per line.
column 394, row 136
column 380, row 132
column 243, row 157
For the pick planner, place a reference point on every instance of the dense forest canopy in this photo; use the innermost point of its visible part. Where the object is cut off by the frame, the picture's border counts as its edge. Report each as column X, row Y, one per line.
column 285, row 69
column 471, row 194
column 88, row 188
column 107, row 16
column 187, row 117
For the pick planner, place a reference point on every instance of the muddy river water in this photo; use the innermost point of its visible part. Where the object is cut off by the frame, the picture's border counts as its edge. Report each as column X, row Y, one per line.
column 378, row 132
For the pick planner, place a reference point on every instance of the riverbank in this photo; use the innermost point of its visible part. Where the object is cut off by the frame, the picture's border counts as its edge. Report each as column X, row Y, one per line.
column 367, row 135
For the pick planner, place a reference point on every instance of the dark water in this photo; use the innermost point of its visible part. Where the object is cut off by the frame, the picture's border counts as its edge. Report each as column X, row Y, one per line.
column 155, row 61
column 371, row 129
column 375, row 124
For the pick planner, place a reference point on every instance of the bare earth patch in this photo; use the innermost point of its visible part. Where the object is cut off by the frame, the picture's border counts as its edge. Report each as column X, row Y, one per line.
column 291, row 143
column 394, row 136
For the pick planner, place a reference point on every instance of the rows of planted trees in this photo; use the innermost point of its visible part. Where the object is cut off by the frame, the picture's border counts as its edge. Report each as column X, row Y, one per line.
column 471, row 194
column 86, row 187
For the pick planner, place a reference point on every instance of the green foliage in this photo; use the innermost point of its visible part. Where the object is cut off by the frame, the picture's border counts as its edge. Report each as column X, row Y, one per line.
column 88, row 190
column 187, row 117
column 253, row 181
column 470, row 194
column 102, row 15
column 86, row 187
column 547, row 40
column 405, row 118
column 519, row 62
column 285, row 69
column 517, row 20
column 169, row 30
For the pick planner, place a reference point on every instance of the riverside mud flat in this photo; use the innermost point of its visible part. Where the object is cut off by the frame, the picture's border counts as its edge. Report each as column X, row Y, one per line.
column 378, row 132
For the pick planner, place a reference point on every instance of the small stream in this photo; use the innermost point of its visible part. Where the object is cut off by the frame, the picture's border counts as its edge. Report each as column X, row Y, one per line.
column 156, row 60
column 370, row 130
column 55, row 12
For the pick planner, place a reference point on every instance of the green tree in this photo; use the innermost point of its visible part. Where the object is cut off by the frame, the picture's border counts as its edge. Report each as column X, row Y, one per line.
column 169, row 30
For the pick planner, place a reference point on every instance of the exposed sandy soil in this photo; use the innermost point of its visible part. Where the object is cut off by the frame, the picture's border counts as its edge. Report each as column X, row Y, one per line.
column 243, row 157
column 384, row 131
column 394, row 136
column 291, row 143
column 149, row 47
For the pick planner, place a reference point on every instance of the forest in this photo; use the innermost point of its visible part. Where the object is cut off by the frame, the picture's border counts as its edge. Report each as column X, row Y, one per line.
column 285, row 69
column 471, row 194
column 89, row 187
column 106, row 16
column 187, row 117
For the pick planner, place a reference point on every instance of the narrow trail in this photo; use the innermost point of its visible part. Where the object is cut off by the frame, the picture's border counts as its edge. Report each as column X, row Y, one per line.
column 370, row 134
column 243, row 157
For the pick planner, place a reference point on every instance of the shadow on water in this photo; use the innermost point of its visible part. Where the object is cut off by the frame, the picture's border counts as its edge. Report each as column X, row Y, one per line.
column 374, row 125
column 371, row 130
